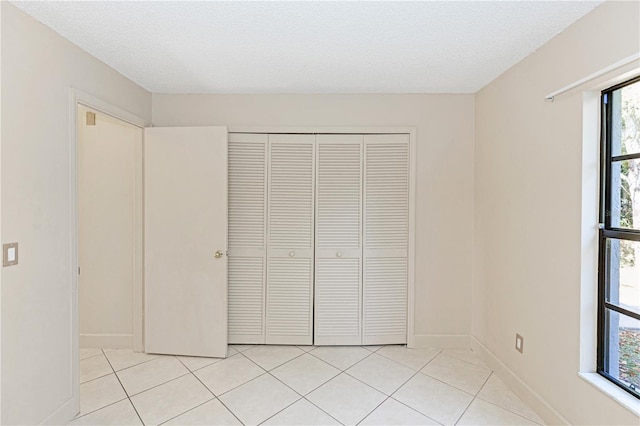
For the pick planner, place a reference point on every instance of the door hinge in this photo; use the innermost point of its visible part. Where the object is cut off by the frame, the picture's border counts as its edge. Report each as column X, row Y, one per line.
column 78, row 270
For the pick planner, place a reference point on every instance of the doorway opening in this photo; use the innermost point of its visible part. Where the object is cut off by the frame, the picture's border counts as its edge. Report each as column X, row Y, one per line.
column 109, row 197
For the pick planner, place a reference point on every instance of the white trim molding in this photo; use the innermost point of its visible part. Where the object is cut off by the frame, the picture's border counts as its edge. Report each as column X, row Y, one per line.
column 623, row 398
column 78, row 97
column 518, row 386
column 442, row 341
column 111, row 341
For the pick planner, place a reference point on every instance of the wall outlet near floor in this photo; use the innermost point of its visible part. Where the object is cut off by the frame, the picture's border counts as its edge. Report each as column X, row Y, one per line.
column 519, row 343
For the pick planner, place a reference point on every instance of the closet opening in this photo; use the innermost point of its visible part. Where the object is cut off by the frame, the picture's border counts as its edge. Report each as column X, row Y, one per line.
column 321, row 247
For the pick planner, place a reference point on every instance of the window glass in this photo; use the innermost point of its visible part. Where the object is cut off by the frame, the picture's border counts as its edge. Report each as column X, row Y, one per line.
column 623, row 267
column 625, row 194
column 622, row 344
column 625, row 123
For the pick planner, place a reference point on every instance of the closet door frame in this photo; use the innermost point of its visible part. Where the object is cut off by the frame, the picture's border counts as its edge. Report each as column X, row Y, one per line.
column 364, row 130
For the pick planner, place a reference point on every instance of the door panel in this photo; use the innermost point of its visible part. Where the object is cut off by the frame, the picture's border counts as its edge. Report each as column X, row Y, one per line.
column 337, row 303
column 290, row 302
column 247, row 237
column 290, row 240
column 185, row 224
column 386, row 239
column 338, row 253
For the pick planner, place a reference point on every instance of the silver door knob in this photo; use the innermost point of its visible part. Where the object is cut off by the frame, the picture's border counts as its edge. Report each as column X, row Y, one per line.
column 292, row 253
column 218, row 254
column 339, row 254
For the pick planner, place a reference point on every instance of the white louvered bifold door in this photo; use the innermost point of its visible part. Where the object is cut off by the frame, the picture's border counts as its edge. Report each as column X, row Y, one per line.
column 247, row 237
column 290, row 240
column 338, row 294
column 386, row 238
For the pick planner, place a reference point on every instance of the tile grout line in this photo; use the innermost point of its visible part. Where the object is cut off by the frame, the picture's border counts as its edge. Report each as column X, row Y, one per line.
column 312, row 390
column 519, row 415
column 355, row 378
column 160, row 384
column 93, row 356
column 437, row 350
column 413, row 409
column 97, row 409
column 218, row 397
column 321, row 409
column 217, row 360
column 464, row 360
column 210, row 391
column 269, row 373
column 279, row 365
column 190, row 409
column 374, row 409
column 96, row 378
column 450, row 385
column 340, row 371
column 345, row 372
column 473, row 399
column 499, row 406
column 140, row 363
column 400, row 387
column 334, row 366
column 394, row 361
column 275, row 414
column 125, row 391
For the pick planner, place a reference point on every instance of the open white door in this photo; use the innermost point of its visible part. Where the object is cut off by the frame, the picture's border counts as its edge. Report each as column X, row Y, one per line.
column 186, row 241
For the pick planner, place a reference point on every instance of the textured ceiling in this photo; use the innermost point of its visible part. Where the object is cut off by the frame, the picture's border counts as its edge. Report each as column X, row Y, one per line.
column 309, row 47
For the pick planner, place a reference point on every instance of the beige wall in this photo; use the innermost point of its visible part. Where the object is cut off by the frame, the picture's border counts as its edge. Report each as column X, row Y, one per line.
column 38, row 68
column 528, row 195
column 109, row 197
column 444, row 204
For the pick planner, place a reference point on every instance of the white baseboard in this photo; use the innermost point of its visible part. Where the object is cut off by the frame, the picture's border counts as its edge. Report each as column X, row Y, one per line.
column 518, row 386
column 444, row 341
column 115, row 341
column 64, row 414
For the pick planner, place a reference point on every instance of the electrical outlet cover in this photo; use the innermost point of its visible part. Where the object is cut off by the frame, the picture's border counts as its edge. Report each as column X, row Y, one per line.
column 9, row 254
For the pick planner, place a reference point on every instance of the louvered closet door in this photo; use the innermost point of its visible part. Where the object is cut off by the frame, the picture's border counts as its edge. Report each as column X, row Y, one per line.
column 247, row 237
column 386, row 228
column 338, row 293
column 290, row 240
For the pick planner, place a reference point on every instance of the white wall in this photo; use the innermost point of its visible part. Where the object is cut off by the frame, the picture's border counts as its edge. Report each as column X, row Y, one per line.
column 528, row 203
column 38, row 68
column 444, row 205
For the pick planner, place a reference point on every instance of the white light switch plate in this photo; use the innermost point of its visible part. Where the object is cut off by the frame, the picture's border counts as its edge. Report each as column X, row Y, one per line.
column 519, row 343
column 10, row 254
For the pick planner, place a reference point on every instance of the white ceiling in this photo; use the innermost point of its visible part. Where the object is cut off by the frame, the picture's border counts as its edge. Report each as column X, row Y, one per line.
column 310, row 47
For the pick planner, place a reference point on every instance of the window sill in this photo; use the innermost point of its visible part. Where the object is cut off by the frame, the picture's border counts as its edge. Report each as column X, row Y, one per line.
column 623, row 398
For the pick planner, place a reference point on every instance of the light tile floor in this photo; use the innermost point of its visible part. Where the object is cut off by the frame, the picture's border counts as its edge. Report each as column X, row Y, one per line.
column 296, row 385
